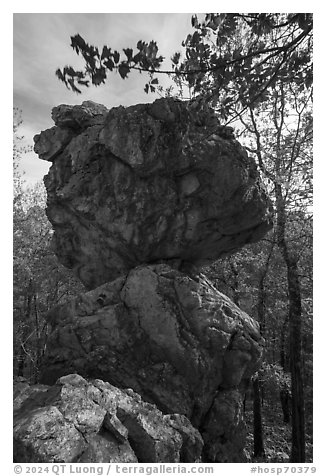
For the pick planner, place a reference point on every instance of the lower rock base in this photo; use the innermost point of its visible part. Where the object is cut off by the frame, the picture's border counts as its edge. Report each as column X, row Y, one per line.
column 76, row 421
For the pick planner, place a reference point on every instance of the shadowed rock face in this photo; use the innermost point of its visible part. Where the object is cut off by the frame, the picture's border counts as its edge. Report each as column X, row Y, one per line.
column 148, row 182
column 175, row 340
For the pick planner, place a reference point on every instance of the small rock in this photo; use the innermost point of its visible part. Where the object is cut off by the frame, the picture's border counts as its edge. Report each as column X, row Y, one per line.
column 114, row 425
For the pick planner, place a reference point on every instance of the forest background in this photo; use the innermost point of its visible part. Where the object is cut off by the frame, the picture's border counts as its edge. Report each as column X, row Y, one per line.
column 257, row 278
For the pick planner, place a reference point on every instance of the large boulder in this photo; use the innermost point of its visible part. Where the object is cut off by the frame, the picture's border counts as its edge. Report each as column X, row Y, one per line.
column 174, row 339
column 144, row 183
column 139, row 199
column 94, row 422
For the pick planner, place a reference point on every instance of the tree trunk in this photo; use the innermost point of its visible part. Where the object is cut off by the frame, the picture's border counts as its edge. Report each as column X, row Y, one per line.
column 274, row 350
column 284, row 359
column 257, row 390
column 298, row 415
column 25, row 328
column 259, row 450
column 285, row 396
column 295, row 313
column 285, row 403
column 21, row 363
column 282, row 175
column 38, row 340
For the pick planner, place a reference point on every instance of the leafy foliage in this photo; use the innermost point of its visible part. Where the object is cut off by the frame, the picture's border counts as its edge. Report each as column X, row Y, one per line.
column 39, row 281
column 98, row 65
column 274, row 378
column 232, row 59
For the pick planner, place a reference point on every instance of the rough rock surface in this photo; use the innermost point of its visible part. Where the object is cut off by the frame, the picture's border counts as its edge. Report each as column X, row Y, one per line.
column 174, row 339
column 139, row 197
column 94, row 422
column 148, row 182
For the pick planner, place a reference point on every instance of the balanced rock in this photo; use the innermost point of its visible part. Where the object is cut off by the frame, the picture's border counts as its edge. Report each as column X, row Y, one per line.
column 145, row 183
column 174, row 339
column 95, row 422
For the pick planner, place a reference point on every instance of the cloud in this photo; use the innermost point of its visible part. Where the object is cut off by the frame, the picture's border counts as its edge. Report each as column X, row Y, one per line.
column 42, row 44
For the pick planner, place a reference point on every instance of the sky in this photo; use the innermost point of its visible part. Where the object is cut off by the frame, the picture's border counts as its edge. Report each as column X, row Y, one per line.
column 41, row 44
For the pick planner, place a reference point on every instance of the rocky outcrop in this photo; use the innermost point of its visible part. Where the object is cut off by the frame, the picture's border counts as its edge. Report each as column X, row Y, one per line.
column 139, row 199
column 95, row 422
column 148, row 182
column 176, row 340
